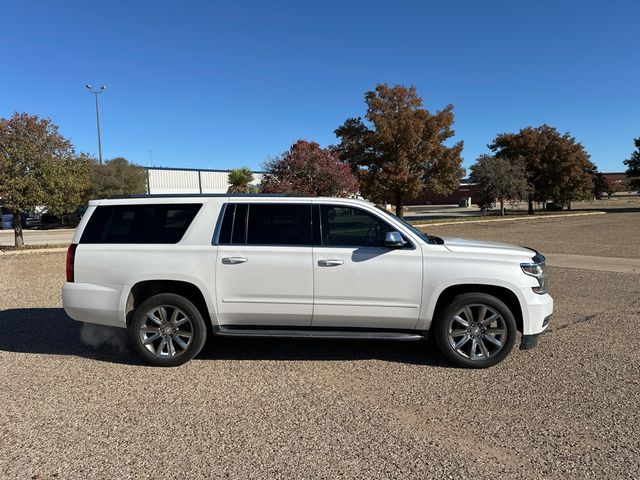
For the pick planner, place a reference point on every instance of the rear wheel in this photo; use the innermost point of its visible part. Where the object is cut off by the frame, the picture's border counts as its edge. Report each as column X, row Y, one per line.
column 167, row 330
column 476, row 330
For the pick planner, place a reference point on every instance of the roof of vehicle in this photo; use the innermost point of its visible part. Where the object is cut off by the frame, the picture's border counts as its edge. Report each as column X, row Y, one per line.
column 164, row 198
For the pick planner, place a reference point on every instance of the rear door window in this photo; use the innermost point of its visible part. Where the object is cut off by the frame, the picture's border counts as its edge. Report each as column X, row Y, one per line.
column 145, row 223
column 279, row 224
column 267, row 224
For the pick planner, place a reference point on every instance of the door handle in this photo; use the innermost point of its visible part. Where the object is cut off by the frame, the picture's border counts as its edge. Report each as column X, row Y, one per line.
column 330, row 263
column 233, row 260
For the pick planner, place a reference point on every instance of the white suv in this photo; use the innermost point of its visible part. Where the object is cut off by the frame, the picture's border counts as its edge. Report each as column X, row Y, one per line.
column 172, row 269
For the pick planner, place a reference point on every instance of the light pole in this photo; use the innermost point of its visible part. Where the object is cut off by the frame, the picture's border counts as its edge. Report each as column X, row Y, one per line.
column 95, row 93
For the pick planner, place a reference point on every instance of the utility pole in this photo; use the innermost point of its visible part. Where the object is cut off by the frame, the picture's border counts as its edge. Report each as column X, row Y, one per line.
column 95, row 93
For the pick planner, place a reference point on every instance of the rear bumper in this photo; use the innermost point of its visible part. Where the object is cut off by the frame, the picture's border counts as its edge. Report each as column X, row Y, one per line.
column 86, row 302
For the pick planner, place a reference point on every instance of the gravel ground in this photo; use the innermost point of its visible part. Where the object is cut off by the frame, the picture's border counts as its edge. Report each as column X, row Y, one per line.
column 77, row 404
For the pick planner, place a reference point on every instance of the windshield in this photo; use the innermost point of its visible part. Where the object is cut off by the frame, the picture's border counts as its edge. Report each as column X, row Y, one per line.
column 420, row 234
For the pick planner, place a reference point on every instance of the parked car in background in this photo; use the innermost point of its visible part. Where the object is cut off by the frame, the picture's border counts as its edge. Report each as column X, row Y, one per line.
column 6, row 218
column 174, row 269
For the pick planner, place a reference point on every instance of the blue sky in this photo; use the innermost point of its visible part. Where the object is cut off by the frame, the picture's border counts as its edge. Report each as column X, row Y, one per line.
column 222, row 84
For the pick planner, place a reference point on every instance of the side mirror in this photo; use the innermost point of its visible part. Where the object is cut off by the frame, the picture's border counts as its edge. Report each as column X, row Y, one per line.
column 394, row 240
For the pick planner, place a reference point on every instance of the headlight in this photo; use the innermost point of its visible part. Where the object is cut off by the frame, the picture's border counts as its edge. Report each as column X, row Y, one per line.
column 537, row 269
column 533, row 269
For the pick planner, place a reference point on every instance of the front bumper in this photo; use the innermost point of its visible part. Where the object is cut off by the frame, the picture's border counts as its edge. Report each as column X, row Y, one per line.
column 531, row 341
column 536, row 310
column 536, row 313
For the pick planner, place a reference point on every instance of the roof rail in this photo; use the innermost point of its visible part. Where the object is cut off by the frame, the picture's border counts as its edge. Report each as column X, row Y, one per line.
column 185, row 195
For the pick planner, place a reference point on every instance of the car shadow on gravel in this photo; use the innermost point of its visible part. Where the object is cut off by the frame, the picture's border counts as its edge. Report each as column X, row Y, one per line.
column 50, row 331
column 251, row 349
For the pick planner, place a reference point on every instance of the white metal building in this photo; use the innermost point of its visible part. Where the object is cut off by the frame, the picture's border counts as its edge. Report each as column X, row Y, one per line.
column 190, row 180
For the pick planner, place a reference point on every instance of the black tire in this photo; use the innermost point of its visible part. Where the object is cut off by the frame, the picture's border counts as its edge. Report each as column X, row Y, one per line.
column 475, row 348
column 183, row 335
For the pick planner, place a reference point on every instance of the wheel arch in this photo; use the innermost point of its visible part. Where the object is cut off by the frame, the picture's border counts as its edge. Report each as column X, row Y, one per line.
column 145, row 289
column 502, row 293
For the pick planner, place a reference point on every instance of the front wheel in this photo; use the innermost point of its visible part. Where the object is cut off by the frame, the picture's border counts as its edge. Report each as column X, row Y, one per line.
column 476, row 330
column 167, row 330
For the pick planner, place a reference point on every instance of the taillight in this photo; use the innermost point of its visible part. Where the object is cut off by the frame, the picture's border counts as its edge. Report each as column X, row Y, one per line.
column 71, row 257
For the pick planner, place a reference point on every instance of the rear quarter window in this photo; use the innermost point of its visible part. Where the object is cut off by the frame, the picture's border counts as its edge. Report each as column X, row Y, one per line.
column 162, row 223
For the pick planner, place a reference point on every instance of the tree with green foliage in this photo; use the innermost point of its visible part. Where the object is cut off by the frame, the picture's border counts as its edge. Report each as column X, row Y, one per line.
column 116, row 177
column 558, row 167
column 499, row 179
column 240, row 180
column 400, row 150
column 306, row 168
column 600, row 185
column 65, row 195
column 38, row 166
column 633, row 166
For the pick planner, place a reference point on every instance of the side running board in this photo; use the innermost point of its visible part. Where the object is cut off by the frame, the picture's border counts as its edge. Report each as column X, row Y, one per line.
column 329, row 334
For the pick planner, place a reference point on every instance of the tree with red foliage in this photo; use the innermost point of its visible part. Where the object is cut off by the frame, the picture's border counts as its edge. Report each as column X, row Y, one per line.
column 308, row 169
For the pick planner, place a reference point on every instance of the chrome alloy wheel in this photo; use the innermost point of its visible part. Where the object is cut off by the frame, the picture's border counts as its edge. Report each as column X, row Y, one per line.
column 477, row 332
column 166, row 332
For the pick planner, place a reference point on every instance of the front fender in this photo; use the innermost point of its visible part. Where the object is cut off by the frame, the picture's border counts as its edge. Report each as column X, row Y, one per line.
column 434, row 292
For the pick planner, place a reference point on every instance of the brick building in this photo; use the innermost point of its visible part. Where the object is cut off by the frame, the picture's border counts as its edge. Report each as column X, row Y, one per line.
column 465, row 190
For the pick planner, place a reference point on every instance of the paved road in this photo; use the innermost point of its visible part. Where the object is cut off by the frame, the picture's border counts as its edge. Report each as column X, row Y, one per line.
column 38, row 237
column 590, row 262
